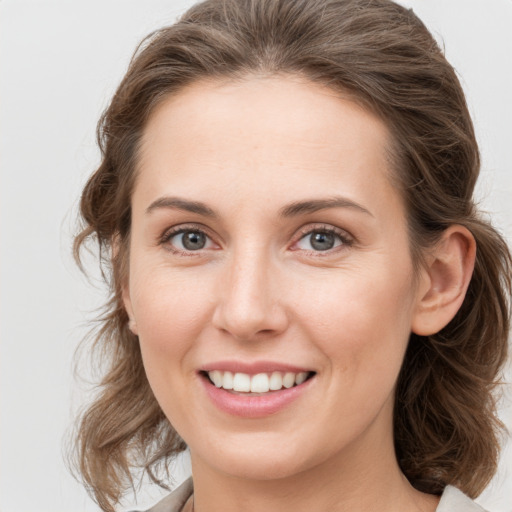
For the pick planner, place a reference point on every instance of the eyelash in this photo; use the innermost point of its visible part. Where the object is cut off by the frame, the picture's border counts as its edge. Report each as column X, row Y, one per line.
column 346, row 239
column 187, row 228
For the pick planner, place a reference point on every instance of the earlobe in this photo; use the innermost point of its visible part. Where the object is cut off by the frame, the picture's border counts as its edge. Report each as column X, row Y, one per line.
column 132, row 324
column 445, row 281
column 125, row 292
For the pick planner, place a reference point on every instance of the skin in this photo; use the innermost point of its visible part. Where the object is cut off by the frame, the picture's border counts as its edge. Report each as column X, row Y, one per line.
column 259, row 290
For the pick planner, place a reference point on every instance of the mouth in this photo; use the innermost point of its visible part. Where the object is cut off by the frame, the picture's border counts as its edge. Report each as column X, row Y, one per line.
column 259, row 384
column 257, row 389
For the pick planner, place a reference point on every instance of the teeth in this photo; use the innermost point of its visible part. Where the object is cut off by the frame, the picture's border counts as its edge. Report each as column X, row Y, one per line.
column 288, row 380
column 242, row 382
column 259, row 383
column 301, row 377
column 276, row 381
column 216, row 377
column 227, row 380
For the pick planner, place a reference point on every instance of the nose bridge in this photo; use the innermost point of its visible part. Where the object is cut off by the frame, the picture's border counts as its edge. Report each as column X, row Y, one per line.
column 248, row 302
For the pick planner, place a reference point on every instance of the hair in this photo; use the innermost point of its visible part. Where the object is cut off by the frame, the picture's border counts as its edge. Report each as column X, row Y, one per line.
column 445, row 423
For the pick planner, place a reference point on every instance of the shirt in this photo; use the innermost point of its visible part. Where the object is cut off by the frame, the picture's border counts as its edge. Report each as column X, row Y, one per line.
column 452, row 500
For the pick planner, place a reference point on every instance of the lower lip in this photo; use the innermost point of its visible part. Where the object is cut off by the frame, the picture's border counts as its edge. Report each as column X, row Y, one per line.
column 253, row 406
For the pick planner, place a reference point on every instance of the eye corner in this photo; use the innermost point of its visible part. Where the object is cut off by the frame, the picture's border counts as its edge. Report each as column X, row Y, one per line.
column 203, row 240
column 335, row 238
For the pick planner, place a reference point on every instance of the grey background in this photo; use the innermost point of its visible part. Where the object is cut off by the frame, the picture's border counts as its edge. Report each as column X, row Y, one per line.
column 60, row 61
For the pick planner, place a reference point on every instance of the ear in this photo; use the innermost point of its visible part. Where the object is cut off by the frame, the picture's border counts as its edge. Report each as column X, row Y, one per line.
column 132, row 324
column 125, row 287
column 444, row 281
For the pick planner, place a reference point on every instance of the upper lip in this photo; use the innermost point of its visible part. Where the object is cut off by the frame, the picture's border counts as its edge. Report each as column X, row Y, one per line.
column 253, row 368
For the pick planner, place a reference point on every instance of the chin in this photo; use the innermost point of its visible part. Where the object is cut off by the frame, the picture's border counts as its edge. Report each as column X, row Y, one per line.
column 260, row 459
column 260, row 468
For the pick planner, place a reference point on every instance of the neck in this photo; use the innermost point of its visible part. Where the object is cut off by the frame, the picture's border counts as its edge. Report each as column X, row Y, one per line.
column 357, row 480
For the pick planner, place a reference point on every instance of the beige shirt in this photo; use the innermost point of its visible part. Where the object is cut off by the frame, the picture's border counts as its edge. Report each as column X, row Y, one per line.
column 452, row 500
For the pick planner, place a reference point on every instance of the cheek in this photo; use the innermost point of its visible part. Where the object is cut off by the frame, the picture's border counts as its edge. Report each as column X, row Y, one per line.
column 170, row 313
column 169, row 308
column 362, row 320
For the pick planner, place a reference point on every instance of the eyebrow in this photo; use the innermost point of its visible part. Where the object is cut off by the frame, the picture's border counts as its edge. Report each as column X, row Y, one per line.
column 314, row 205
column 177, row 203
column 291, row 210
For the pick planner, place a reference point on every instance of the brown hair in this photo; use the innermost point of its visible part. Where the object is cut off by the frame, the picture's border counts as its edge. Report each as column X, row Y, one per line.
column 446, row 429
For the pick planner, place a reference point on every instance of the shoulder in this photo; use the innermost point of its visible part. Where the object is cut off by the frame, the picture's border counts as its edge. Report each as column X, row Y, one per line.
column 174, row 502
column 454, row 500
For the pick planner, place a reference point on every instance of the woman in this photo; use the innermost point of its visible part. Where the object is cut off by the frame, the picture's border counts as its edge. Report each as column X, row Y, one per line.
column 303, row 292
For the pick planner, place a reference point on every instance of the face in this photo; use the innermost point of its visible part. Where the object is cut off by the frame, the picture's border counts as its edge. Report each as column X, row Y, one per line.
column 269, row 249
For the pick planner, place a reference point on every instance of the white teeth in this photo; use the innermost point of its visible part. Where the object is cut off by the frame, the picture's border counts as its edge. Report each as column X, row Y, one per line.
column 242, row 382
column 301, row 377
column 216, row 377
column 259, row 383
column 276, row 381
column 227, row 382
column 288, row 380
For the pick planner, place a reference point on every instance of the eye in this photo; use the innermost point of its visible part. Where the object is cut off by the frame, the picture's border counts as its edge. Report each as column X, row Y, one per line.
column 188, row 240
column 322, row 239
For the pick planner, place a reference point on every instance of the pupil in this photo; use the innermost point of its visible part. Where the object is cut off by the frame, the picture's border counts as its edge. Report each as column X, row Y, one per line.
column 193, row 240
column 322, row 241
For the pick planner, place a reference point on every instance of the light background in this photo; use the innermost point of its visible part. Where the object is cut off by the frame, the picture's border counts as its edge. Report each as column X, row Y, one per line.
column 60, row 61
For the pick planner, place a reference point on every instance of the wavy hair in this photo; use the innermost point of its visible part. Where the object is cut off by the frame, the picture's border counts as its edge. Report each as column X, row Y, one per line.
column 445, row 423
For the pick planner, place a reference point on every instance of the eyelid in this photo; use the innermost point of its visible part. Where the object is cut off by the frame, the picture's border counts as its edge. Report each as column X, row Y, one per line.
column 346, row 238
column 169, row 233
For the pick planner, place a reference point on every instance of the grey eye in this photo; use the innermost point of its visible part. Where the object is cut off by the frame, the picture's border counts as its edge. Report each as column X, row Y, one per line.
column 189, row 240
column 193, row 240
column 320, row 241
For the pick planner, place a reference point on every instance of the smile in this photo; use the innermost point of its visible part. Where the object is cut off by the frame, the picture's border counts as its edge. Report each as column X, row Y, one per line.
column 259, row 391
column 259, row 383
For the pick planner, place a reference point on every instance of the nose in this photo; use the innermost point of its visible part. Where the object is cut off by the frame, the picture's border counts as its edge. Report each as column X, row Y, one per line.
column 249, row 303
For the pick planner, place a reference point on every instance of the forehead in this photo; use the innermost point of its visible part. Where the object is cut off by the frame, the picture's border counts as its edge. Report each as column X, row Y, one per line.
column 259, row 134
